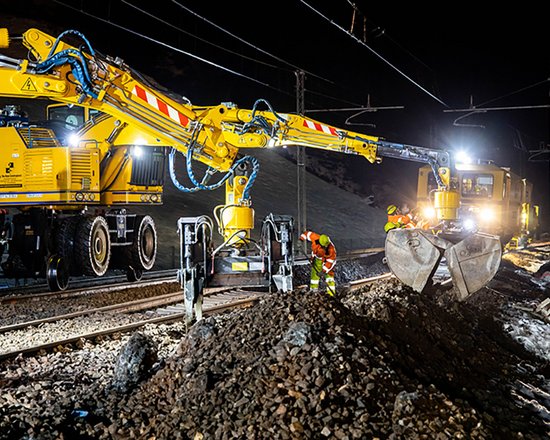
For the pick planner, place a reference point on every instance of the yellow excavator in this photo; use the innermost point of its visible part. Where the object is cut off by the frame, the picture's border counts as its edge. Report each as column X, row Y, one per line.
column 72, row 193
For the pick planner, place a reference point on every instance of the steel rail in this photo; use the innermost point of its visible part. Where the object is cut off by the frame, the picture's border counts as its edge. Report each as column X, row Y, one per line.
column 208, row 310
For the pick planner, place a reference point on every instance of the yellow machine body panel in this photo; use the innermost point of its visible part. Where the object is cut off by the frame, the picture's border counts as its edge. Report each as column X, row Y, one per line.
column 40, row 172
column 499, row 201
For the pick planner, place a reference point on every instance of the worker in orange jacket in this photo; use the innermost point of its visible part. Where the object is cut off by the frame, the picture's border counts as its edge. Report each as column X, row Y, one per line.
column 323, row 260
column 398, row 219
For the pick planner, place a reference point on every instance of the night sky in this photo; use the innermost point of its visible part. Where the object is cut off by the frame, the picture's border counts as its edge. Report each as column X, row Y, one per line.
column 452, row 55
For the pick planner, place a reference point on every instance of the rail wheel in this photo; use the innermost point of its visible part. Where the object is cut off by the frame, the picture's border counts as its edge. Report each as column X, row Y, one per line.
column 141, row 254
column 57, row 273
column 93, row 245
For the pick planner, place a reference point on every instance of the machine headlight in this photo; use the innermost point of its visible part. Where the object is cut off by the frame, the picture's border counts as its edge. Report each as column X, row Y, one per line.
column 469, row 224
column 428, row 212
column 137, row 152
column 74, row 140
column 462, row 157
column 487, row 214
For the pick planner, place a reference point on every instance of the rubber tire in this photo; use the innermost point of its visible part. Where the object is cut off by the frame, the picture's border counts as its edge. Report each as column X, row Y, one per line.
column 64, row 239
column 142, row 253
column 93, row 245
column 57, row 273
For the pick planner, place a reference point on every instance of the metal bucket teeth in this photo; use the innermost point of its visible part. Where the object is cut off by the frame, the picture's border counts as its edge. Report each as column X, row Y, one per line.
column 413, row 255
column 473, row 262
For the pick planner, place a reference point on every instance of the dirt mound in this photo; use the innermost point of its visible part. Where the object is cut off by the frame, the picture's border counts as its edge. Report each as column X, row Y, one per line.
column 385, row 362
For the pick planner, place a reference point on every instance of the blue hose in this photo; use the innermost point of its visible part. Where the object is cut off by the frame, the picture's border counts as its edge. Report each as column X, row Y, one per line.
column 74, row 58
column 198, row 186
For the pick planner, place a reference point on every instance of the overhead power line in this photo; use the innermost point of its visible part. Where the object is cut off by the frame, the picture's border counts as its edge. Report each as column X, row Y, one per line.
column 211, row 63
column 382, row 31
column 168, row 46
column 522, row 89
column 374, row 53
column 160, row 20
column 250, row 44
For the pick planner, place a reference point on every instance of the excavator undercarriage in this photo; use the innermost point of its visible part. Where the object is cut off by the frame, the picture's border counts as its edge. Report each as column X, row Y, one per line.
column 43, row 243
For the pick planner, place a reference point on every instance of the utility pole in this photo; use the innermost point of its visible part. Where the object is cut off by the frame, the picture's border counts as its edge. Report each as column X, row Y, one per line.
column 301, row 159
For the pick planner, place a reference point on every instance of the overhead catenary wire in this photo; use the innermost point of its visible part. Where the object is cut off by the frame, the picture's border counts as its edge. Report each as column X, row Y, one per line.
column 138, row 34
column 160, row 20
column 407, row 77
column 408, row 52
column 161, row 43
column 242, row 40
column 522, row 89
column 266, row 53
column 233, row 52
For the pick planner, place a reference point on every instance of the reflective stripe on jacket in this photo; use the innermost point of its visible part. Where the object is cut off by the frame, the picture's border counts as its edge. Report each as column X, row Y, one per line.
column 327, row 255
column 399, row 219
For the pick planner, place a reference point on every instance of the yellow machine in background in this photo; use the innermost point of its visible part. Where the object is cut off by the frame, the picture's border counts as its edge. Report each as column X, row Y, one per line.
column 493, row 200
column 72, row 190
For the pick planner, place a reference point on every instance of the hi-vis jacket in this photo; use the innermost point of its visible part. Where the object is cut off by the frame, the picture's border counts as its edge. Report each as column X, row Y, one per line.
column 327, row 255
column 401, row 220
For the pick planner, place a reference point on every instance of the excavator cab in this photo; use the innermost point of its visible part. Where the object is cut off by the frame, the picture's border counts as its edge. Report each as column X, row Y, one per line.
column 65, row 120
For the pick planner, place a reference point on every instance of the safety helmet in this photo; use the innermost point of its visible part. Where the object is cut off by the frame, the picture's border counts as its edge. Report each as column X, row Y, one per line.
column 391, row 209
column 324, row 240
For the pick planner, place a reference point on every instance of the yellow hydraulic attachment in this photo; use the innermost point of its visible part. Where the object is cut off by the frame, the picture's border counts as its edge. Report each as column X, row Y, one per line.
column 117, row 159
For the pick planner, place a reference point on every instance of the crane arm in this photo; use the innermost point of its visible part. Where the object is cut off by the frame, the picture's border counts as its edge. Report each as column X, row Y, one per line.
column 81, row 76
column 214, row 135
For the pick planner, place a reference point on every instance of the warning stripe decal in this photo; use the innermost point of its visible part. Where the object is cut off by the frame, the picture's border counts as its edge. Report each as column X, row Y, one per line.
column 161, row 106
column 320, row 127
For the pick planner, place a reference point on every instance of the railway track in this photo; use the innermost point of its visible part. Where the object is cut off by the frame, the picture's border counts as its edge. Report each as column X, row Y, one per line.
column 118, row 281
column 214, row 302
column 168, row 308
column 84, row 285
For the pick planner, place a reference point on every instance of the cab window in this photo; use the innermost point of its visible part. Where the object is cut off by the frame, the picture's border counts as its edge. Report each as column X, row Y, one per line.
column 67, row 118
column 477, row 185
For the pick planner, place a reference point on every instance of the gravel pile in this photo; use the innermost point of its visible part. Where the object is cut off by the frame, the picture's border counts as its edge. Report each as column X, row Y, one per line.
column 381, row 362
column 43, row 397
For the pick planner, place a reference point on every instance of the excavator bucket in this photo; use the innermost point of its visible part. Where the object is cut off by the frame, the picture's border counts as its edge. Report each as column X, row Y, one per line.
column 473, row 262
column 413, row 256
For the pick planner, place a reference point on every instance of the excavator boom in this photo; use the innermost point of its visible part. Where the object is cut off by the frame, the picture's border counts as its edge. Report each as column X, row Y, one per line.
column 133, row 106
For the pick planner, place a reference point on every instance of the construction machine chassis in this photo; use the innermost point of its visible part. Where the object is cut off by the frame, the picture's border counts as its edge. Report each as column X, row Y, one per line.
column 56, row 245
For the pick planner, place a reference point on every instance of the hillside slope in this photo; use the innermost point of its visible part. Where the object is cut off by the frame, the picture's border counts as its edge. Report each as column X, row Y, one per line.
column 345, row 217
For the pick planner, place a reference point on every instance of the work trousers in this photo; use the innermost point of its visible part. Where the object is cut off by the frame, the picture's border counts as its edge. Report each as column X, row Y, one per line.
column 316, row 271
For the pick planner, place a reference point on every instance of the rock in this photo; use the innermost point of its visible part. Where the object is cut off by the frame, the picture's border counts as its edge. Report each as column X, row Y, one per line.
column 134, row 362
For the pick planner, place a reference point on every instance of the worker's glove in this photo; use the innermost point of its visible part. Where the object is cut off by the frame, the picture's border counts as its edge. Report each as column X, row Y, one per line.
column 326, row 270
